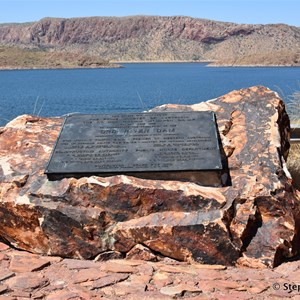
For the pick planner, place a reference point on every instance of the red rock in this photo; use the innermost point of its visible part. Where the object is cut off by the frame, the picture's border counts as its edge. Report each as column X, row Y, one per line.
column 80, row 264
column 288, row 268
column 3, row 247
column 21, row 295
column 124, row 289
column 178, row 269
column 202, row 234
column 232, row 296
column 209, row 267
column 3, row 256
column 5, row 274
column 63, row 295
column 27, row 282
column 109, row 280
column 250, row 263
column 140, row 279
column 211, row 275
column 131, row 262
column 161, row 279
column 145, row 269
column 256, row 217
column 141, row 252
column 3, row 288
column 221, row 285
column 28, row 263
column 244, row 274
column 117, row 267
column 293, row 275
column 178, row 290
column 257, row 287
column 7, row 298
column 87, row 275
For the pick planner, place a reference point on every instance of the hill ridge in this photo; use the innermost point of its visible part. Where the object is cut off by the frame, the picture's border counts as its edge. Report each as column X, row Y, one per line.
column 150, row 38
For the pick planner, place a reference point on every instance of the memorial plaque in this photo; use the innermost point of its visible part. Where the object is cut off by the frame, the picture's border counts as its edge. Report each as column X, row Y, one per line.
column 160, row 145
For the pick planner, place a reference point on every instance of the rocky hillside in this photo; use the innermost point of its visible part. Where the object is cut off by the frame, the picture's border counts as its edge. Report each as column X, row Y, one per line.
column 18, row 58
column 153, row 38
column 276, row 58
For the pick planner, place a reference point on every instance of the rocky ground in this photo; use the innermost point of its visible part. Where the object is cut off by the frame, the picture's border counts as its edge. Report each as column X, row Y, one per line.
column 29, row 276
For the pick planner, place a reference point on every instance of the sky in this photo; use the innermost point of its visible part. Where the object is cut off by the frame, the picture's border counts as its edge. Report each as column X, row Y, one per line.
column 238, row 11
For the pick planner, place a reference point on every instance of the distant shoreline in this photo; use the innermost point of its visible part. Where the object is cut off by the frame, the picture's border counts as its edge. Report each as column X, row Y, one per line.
column 251, row 66
column 155, row 61
column 118, row 64
column 112, row 66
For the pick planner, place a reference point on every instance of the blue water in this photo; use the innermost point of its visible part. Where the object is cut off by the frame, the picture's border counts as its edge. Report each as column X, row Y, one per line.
column 136, row 87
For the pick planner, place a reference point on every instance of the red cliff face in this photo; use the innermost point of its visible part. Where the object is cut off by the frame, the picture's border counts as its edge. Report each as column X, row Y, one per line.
column 142, row 38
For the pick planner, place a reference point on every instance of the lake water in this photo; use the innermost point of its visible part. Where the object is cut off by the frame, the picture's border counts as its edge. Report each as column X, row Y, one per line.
column 136, row 87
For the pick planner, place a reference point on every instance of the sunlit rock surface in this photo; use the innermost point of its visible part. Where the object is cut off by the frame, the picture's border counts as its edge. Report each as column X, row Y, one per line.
column 255, row 220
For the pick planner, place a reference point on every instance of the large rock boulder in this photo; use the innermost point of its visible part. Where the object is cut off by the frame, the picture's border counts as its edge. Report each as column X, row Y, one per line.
column 256, row 218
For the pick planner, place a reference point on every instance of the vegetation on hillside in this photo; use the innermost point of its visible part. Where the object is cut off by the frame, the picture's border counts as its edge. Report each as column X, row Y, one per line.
column 17, row 58
column 275, row 58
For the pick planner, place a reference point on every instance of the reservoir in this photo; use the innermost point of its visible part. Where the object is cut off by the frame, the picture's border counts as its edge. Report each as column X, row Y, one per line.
column 134, row 88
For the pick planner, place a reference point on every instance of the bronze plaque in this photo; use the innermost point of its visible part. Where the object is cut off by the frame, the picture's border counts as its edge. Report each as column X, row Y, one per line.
column 136, row 143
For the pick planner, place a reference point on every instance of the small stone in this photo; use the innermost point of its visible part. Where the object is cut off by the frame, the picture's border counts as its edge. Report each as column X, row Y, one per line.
column 287, row 268
column 21, row 295
column 258, row 287
column 38, row 295
column 88, row 275
column 243, row 274
column 161, row 279
column 250, row 263
column 4, row 247
column 209, row 267
column 178, row 290
column 208, row 286
column 7, row 297
column 125, row 289
column 26, row 263
column 222, row 285
column 63, row 295
column 109, row 280
column 203, row 274
column 140, row 279
column 150, row 288
column 3, row 288
column 75, row 264
column 232, row 296
column 27, row 282
column 270, row 275
column 145, row 269
column 54, row 259
column 6, row 274
column 141, row 252
column 3, row 256
column 187, row 269
column 131, row 262
column 293, row 275
column 118, row 267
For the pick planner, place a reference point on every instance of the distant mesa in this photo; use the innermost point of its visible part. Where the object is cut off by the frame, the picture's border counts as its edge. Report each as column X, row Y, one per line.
column 153, row 38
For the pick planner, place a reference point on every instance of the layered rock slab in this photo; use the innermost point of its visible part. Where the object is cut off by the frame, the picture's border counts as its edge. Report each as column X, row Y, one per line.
column 254, row 219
